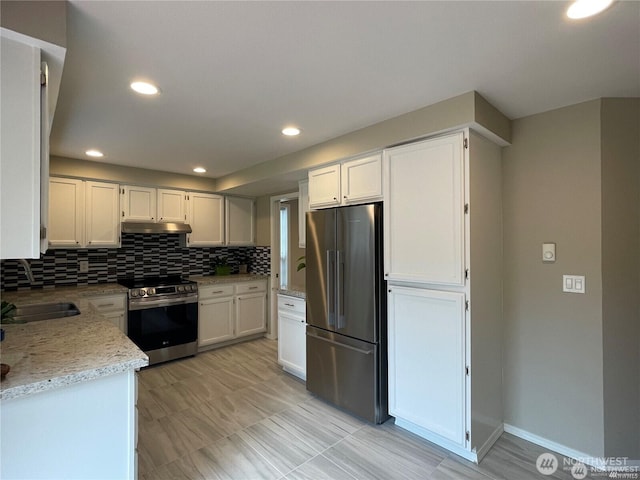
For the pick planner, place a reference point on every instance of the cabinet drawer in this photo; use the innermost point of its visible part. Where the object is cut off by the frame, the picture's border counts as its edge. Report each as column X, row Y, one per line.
column 251, row 287
column 108, row 303
column 291, row 304
column 212, row 291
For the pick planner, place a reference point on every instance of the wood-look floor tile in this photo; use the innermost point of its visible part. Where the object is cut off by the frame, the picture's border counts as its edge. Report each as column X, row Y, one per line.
column 228, row 459
column 382, row 453
column 451, row 469
column 504, row 462
column 319, row 431
column 189, row 431
column 221, row 414
column 171, row 399
column 325, row 412
column 319, row 468
column 280, row 446
column 149, row 408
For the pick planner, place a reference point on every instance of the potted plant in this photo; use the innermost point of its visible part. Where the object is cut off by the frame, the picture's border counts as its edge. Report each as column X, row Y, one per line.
column 220, row 266
column 302, row 263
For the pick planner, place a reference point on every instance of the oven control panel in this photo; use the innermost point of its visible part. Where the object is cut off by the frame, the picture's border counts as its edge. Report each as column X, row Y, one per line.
column 172, row 290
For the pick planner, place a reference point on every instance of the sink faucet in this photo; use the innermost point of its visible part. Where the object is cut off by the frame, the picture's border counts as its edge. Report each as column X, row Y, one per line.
column 27, row 269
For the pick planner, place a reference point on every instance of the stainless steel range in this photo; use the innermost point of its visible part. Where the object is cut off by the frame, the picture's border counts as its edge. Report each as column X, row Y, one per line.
column 163, row 316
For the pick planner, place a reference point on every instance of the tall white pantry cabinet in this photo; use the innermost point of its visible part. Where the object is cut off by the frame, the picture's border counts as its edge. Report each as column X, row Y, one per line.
column 443, row 250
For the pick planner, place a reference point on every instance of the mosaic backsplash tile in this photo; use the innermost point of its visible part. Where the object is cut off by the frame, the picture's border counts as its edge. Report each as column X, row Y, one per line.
column 140, row 255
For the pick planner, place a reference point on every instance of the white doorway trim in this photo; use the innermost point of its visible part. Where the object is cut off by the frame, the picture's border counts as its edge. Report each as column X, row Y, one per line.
column 275, row 258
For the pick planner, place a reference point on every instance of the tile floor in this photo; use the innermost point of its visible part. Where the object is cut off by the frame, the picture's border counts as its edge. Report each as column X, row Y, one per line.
column 232, row 413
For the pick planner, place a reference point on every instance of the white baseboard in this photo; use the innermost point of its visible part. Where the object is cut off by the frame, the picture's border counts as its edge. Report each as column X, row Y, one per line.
column 554, row 446
column 493, row 438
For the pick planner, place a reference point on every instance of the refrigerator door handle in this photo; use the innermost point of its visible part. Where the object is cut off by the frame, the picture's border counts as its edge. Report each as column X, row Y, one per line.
column 342, row 345
column 330, row 286
column 339, row 292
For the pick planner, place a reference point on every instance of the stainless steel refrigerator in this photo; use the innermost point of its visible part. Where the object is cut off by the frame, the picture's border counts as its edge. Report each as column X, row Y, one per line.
column 346, row 314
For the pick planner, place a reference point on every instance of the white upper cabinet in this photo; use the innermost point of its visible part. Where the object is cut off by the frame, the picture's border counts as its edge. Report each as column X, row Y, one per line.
column 66, row 213
column 138, row 204
column 362, row 179
column 239, row 221
column 205, row 214
column 351, row 182
column 20, row 150
column 303, row 208
column 324, row 187
column 83, row 214
column 102, row 226
column 171, row 208
column 424, row 211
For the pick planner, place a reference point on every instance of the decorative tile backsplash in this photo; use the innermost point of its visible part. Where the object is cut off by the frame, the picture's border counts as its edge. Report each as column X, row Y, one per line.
column 139, row 256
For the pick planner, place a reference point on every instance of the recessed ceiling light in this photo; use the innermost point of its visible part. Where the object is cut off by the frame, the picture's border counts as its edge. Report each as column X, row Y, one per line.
column 291, row 131
column 94, row 153
column 199, row 170
column 587, row 8
column 145, row 88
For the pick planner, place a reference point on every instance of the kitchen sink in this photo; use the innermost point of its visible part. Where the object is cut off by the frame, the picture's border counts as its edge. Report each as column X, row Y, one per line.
column 45, row 311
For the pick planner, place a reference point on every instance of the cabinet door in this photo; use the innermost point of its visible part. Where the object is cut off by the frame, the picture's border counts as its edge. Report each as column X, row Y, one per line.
column 251, row 314
column 292, row 347
column 239, row 221
column 171, row 206
column 362, row 179
column 101, row 215
column 427, row 360
column 138, row 204
column 66, row 213
column 118, row 319
column 303, row 208
column 205, row 213
column 20, row 150
column 324, row 187
column 424, row 212
column 215, row 321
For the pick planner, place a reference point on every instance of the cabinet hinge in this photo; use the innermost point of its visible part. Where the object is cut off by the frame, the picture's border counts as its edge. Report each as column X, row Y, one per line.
column 466, row 305
column 466, row 208
column 43, row 232
column 465, row 143
column 466, row 370
column 466, row 435
column 466, row 274
column 43, row 79
column 123, row 213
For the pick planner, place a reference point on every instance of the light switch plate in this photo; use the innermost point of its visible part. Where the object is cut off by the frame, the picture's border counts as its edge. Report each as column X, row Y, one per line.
column 548, row 252
column 573, row 283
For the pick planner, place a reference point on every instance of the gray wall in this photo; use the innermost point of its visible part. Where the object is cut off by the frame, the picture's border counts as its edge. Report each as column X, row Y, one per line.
column 572, row 362
column 621, row 275
column 553, row 367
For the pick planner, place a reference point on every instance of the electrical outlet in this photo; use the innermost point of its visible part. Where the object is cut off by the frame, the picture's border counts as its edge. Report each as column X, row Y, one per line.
column 83, row 266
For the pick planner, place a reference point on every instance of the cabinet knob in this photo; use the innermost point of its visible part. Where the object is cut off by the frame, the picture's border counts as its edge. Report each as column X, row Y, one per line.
column 335, row 199
column 77, row 243
column 344, row 196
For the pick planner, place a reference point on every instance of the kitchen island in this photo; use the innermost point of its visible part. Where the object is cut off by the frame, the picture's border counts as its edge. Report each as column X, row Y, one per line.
column 68, row 403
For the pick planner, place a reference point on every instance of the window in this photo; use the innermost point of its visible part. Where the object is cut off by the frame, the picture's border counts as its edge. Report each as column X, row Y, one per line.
column 284, row 245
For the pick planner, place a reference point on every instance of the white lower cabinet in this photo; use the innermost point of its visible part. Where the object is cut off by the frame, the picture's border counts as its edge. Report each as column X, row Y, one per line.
column 216, row 314
column 112, row 307
column 292, row 348
column 251, row 308
column 230, row 311
column 427, row 380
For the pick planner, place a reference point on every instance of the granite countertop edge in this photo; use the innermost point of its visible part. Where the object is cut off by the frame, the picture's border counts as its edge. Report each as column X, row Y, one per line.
column 203, row 280
column 53, row 354
column 293, row 293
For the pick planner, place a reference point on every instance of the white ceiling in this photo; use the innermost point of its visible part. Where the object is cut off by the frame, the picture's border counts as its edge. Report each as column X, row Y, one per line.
column 233, row 74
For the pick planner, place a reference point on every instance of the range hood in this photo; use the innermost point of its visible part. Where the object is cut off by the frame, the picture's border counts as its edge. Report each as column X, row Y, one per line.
column 148, row 227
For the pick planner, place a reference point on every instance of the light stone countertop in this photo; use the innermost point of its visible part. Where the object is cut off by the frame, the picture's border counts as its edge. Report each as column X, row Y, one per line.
column 203, row 280
column 292, row 293
column 51, row 354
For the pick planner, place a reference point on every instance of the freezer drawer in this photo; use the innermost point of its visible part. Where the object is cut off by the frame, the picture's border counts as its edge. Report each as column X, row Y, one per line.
column 345, row 372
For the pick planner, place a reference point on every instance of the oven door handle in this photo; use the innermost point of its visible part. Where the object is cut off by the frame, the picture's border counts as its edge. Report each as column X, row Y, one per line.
column 144, row 305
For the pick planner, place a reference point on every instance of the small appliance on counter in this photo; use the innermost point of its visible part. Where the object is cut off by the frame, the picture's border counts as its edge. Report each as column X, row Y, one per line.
column 163, row 316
